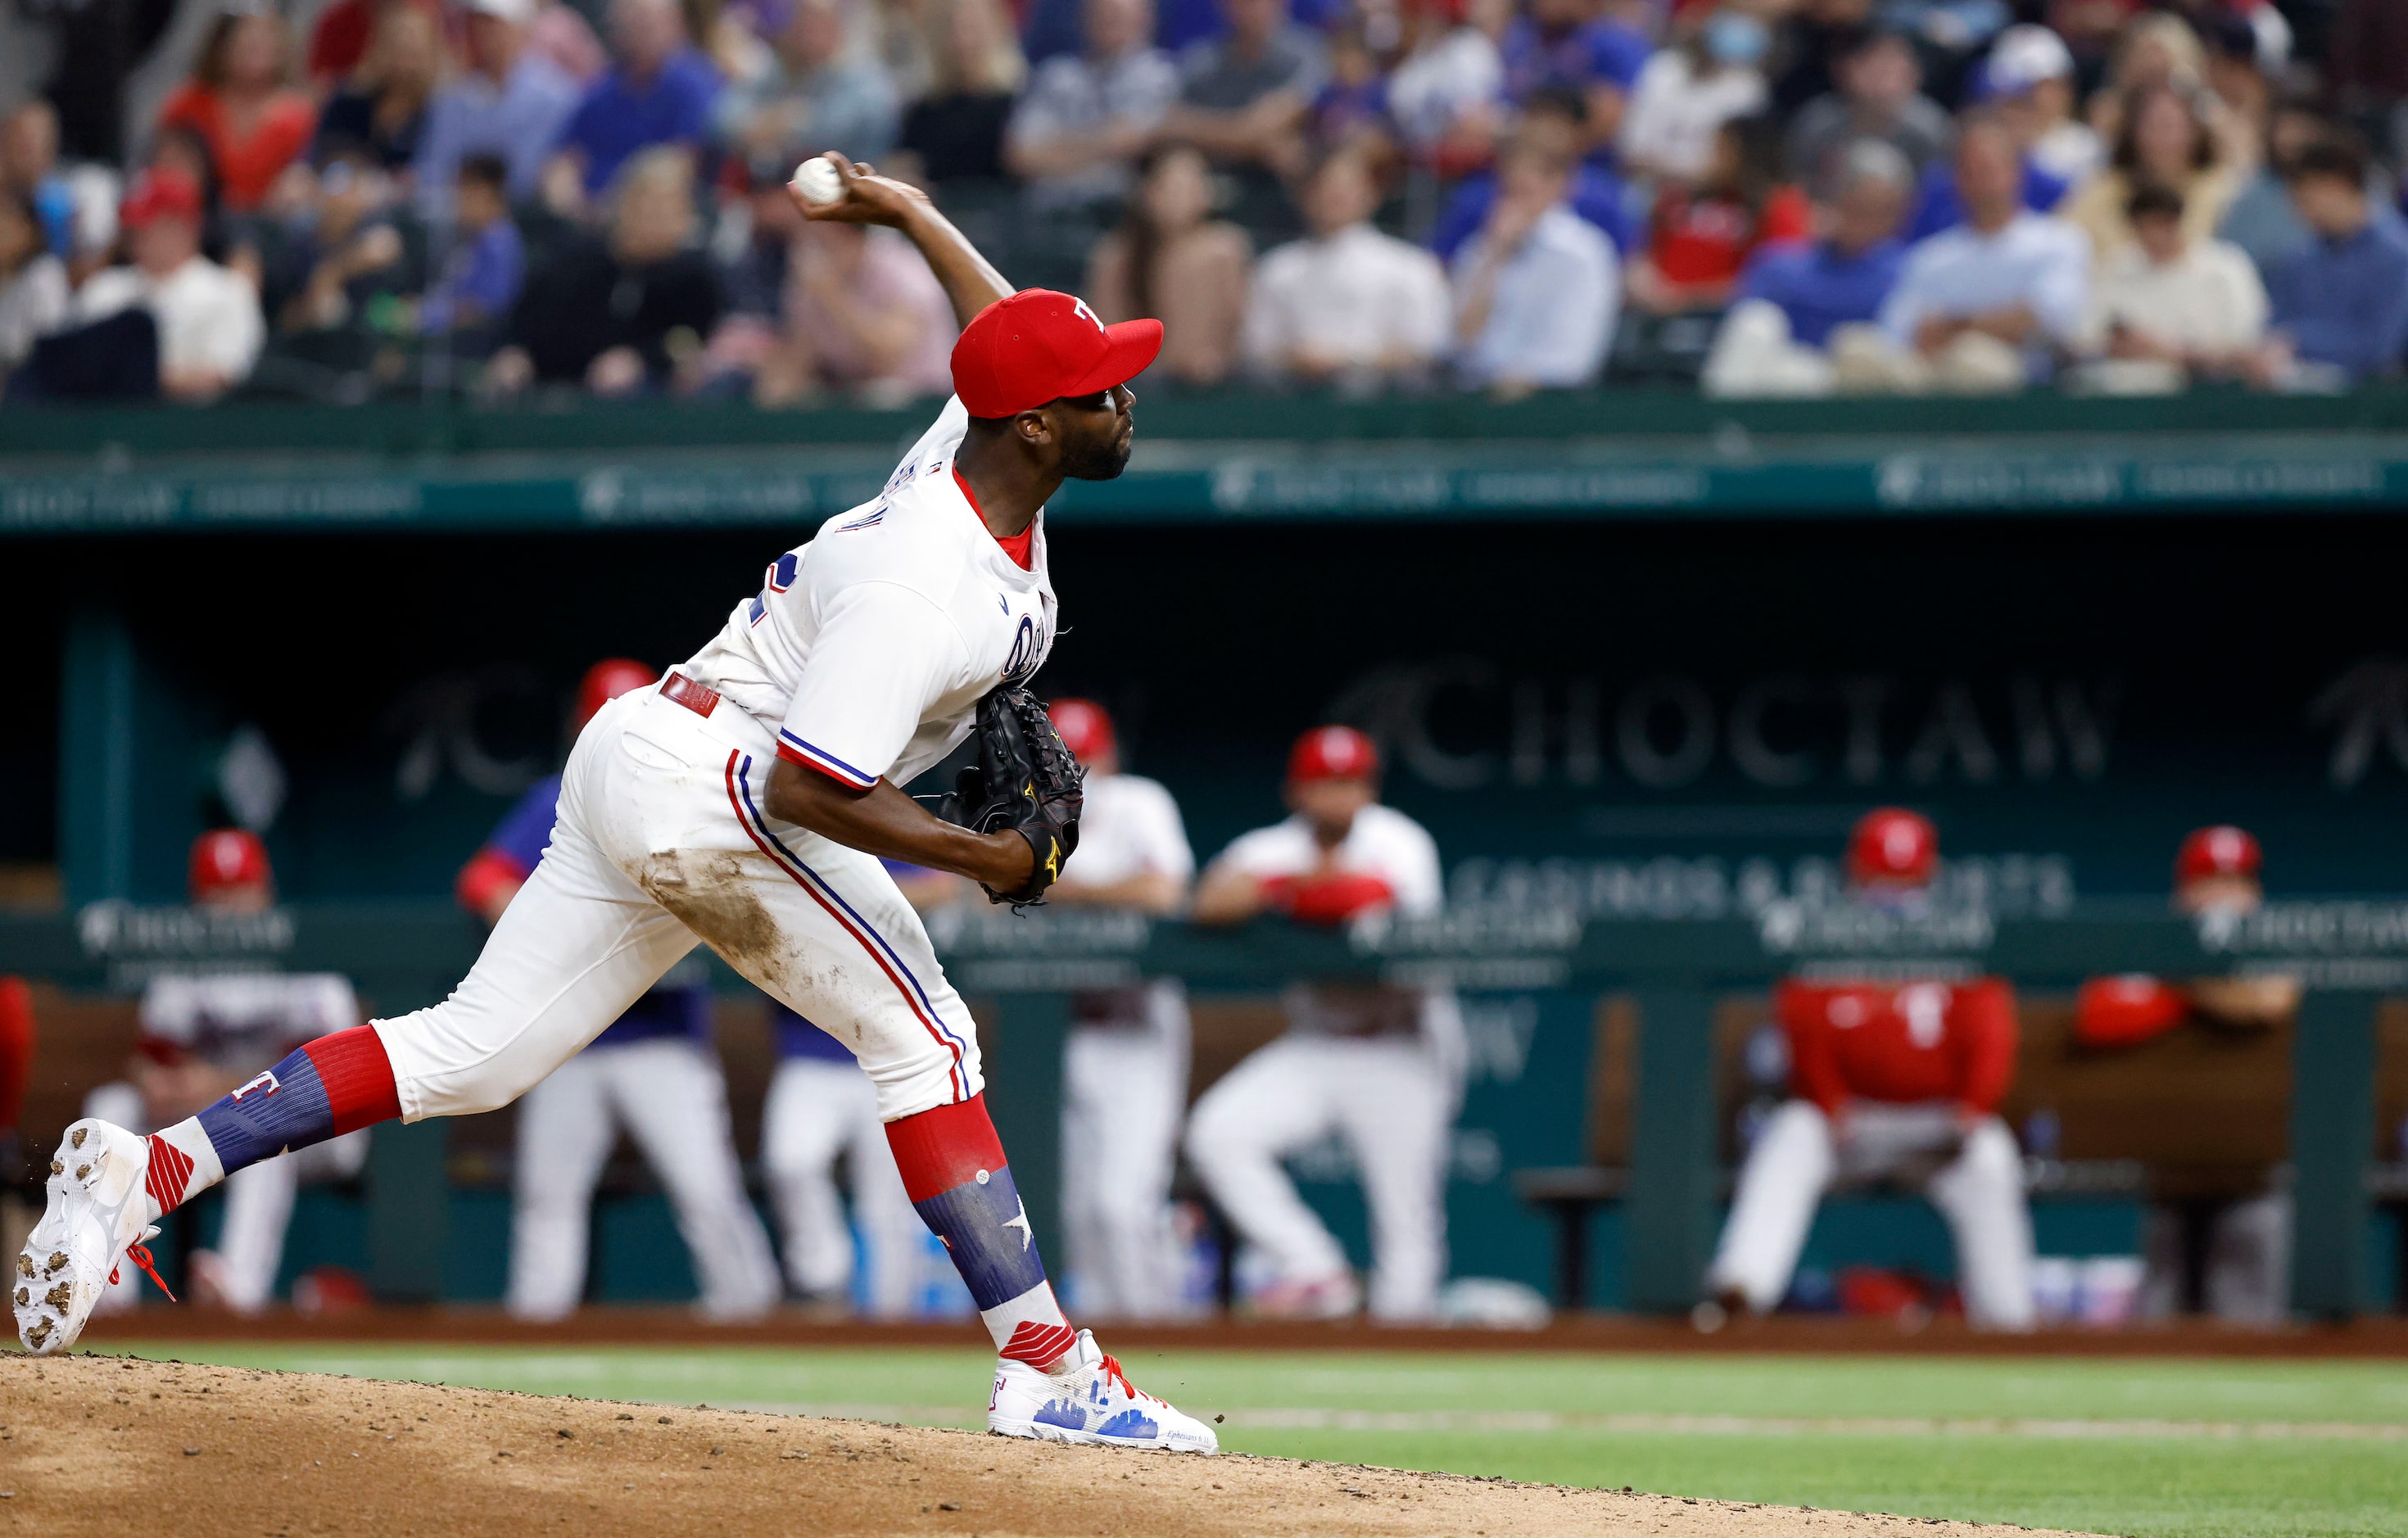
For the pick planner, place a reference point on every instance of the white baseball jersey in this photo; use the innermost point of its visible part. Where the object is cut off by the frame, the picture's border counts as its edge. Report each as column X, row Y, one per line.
column 868, row 650
column 1129, row 827
column 1382, row 842
column 242, row 1021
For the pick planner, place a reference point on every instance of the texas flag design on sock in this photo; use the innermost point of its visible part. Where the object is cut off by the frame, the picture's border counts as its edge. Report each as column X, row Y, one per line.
column 953, row 1171
column 334, row 1085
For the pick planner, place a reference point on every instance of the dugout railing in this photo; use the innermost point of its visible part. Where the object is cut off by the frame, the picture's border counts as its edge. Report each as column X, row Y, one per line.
column 1024, row 968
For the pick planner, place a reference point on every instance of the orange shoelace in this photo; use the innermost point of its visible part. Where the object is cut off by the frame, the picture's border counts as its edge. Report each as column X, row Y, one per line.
column 141, row 1256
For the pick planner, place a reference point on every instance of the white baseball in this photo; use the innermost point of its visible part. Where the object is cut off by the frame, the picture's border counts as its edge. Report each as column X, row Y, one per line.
column 817, row 180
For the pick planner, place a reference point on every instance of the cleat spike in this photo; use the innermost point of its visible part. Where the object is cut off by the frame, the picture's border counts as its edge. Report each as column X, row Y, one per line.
column 75, row 1139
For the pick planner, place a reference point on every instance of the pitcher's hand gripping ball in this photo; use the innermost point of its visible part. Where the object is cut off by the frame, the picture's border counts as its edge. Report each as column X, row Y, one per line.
column 817, row 180
column 1026, row 780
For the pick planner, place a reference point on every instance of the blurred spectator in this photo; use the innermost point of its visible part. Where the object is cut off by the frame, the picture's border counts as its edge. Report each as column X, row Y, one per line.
column 1443, row 89
column 1806, row 52
column 1897, row 1082
column 342, row 36
column 33, row 282
column 1879, row 96
column 381, row 109
column 1565, row 44
column 1699, row 238
column 2170, row 306
column 345, row 252
column 238, row 102
column 752, row 285
column 558, row 32
column 2166, row 142
column 2340, row 302
column 209, row 328
column 865, row 316
column 29, row 168
column 1346, row 305
column 1793, row 297
column 1242, row 95
column 1685, row 94
column 510, row 102
column 1351, row 109
column 2263, row 221
column 658, row 90
column 619, row 312
column 1554, row 120
column 1086, row 116
column 957, row 128
column 1981, row 305
column 814, row 97
column 487, row 264
column 1171, row 260
column 1537, row 291
column 2159, row 49
column 2029, row 81
column 1940, row 206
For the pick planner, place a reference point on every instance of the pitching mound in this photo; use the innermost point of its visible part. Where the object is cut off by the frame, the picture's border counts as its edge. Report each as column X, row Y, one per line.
column 102, row 1446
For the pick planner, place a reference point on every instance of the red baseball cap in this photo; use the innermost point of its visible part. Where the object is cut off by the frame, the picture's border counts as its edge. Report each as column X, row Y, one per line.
column 1085, row 727
column 606, row 680
column 1894, row 846
column 1038, row 346
column 160, row 193
column 1333, row 752
column 2220, row 851
column 228, row 857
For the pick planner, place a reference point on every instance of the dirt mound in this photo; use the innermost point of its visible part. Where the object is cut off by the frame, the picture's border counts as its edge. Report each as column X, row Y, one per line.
column 99, row 1445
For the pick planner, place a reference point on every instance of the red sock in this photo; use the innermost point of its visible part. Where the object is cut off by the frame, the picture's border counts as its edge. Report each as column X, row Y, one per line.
column 954, row 1172
column 358, row 1076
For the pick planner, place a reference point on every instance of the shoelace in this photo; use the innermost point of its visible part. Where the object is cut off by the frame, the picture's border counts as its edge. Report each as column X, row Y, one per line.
column 1111, row 1369
column 141, row 1256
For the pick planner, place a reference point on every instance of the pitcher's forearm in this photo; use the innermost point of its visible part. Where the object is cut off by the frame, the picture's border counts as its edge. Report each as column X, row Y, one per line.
column 885, row 822
column 969, row 280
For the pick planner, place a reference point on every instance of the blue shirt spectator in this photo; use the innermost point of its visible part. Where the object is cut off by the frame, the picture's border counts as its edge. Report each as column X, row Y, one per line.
column 1824, row 285
column 481, row 276
column 1939, row 206
column 1583, row 55
column 510, row 102
column 1538, row 292
column 1597, row 196
column 2343, row 299
column 657, row 91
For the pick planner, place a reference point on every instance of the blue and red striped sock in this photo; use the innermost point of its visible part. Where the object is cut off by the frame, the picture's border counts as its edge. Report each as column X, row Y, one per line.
column 334, row 1085
column 953, row 1171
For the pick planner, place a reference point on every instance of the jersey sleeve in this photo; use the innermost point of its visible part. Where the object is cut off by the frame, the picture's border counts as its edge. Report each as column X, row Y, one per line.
column 1813, row 1069
column 1419, row 884
column 1265, row 852
column 883, row 653
column 1164, row 848
column 1982, row 1019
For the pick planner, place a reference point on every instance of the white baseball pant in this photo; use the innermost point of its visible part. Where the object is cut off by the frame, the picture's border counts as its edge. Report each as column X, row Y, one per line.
column 819, row 1107
column 1124, row 1089
column 1393, row 1100
column 662, row 839
column 670, row 1097
column 258, row 1209
column 1980, row 1193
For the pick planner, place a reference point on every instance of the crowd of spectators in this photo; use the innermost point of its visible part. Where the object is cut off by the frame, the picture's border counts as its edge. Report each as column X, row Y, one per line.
column 1767, row 196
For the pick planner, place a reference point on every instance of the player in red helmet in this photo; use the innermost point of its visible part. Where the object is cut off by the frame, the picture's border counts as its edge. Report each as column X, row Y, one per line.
column 1125, row 1066
column 1889, row 1081
column 653, row 1072
column 1379, row 1066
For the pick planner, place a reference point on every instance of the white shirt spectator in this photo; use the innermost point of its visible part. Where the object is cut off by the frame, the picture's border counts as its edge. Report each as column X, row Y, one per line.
column 243, row 1021
column 1557, row 301
column 1674, row 114
column 1072, row 95
column 2034, row 261
column 1436, row 84
column 2207, row 299
column 1359, row 298
column 32, row 303
column 1382, row 842
column 208, row 316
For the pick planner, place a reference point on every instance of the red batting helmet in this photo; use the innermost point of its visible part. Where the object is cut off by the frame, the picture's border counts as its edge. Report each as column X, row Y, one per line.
column 2220, row 851
column 1893, row 847
column 1087, row 729
column 606, row 680
column 228, row 857
column 1333, row 752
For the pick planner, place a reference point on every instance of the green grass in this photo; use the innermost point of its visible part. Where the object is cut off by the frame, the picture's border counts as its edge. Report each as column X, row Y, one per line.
column 2140, row 1461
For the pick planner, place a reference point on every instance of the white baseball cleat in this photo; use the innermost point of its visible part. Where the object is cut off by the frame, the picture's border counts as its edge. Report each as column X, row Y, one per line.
column 99, row 1212
column 1087, row 1398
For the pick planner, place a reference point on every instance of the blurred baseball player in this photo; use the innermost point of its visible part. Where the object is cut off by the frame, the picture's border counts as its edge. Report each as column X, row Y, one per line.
column 1380, row 1067
column 653, row 1071
column 746, row 802
column 821, row 1107
column 1898, row 1081
column 1125, row 1066
column 206, row 1034
column 2235, row 1247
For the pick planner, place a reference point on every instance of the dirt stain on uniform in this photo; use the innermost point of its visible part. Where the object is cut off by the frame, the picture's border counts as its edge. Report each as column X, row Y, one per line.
column 710, row 893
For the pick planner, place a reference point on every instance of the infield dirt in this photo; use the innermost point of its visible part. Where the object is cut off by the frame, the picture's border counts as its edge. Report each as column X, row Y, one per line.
column 100, row 1446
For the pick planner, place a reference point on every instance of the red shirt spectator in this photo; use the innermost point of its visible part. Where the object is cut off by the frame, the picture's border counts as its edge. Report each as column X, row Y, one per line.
column 237, row 101
column 1705, row 237
column 1900, row 1044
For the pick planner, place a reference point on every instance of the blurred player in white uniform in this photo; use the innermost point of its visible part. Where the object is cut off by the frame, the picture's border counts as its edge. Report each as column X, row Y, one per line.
column 821, row 1107
column 206, row 1034
column 747, row 802
column 1125, row 1066
column 654, row 1071
column 1379, row 1066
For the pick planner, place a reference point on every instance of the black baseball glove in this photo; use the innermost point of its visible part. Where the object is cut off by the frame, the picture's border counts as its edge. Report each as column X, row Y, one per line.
column 1025, row 779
